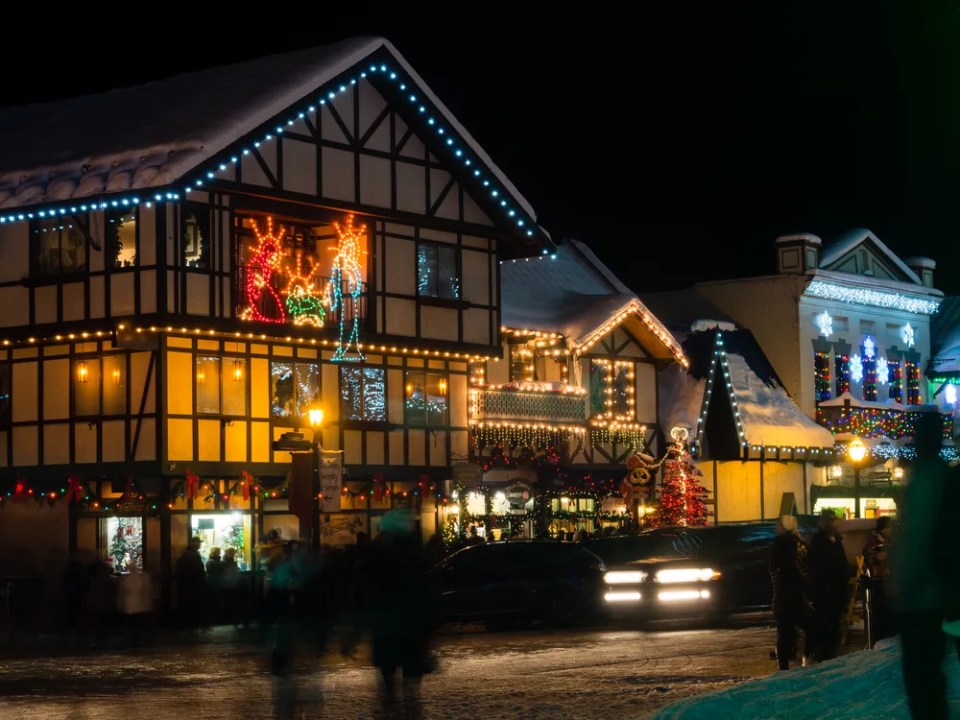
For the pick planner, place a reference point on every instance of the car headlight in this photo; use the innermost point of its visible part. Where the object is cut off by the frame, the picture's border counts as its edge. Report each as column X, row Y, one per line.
column 619, row 577
column 682, row 575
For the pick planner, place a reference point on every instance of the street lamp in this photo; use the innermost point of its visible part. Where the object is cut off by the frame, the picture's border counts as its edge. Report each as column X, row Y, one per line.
column 315, row 418
column 856, row 451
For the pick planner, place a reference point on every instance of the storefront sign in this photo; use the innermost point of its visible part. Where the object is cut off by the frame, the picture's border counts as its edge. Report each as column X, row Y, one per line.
column 331, row 479
column 127, row 507
column 518, row 495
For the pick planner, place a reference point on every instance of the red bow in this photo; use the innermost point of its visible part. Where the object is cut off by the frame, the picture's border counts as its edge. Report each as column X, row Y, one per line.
column 246, row 481
column 128, row 490
column 20, row 490
column 75, row 490
column 193, row 484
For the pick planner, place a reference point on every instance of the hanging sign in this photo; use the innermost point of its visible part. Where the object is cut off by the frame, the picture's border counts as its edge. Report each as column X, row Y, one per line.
column 331, row 479
column 518, row 495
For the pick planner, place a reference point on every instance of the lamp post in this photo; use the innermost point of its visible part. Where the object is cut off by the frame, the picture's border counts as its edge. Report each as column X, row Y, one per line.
column 856, row 452
column 315, row 416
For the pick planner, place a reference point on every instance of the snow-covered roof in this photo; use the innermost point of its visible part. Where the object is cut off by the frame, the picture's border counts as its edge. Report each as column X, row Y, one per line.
column 847, row 241
column 768, row 416
column 151, row 136
column 573, row 293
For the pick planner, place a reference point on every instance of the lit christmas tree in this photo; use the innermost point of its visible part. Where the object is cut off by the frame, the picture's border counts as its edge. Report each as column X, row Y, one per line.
column 682, row 494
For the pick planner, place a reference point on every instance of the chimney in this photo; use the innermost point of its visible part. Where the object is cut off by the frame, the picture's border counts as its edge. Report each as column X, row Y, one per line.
column 923, row 267
column 798, row 253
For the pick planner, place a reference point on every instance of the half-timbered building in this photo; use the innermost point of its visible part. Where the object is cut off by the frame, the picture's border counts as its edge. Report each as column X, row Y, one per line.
column 188, row 267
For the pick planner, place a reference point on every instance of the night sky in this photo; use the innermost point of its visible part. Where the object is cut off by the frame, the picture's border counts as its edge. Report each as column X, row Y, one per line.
column 678, row 142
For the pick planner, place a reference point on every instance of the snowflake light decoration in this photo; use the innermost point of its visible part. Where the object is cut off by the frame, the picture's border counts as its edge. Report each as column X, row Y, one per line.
column 907, row 335
column 883, row 371
column 856, row 368
column 869, row 348
column 950, row 394
column 825, row 323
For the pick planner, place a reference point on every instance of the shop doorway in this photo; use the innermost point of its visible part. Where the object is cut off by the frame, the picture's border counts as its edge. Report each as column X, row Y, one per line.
column 223, row 530
column 121, row 540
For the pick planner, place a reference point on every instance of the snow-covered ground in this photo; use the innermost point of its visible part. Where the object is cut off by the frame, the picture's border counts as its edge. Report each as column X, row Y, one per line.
column 865, row 684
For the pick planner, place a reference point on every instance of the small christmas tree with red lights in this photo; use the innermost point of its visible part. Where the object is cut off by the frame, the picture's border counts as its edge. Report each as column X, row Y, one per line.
column 682, row 495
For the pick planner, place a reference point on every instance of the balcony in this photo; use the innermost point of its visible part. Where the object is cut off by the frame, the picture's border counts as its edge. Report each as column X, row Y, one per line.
column 529, row 402
column 302, row 303
column 867, row 419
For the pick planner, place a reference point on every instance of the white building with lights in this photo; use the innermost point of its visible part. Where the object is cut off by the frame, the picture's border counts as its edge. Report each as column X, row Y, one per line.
column 847, row 327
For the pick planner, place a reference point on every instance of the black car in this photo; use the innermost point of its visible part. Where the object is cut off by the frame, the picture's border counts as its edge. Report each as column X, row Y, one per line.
column 519, row 582
column 707, row 572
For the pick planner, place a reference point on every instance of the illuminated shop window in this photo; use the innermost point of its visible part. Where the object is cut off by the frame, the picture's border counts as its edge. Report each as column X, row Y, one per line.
column 363, row 394
column 223, row 530
column 221, row 385
column 294, row 388
column 195, row 235
column 425, row 398
column 57, row 246
column 438, row 271
column 122, row 537
column 121, row 237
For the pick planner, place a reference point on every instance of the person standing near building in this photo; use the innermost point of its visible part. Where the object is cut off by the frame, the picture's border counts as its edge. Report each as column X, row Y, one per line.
column 192, row 587
column 788, row 577
column 829, row 573
column 876, row 563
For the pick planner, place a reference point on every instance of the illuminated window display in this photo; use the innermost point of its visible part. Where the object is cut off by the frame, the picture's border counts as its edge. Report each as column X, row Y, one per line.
column 363, row 394
column 425, row 400
column 122, row 540
column 294, row 388
column 223, row 530
column 122, row 237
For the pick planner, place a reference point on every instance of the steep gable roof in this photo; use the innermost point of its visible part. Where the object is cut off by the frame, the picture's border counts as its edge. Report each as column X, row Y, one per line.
column 834, row 253
column 573, row 293
column 169, row 134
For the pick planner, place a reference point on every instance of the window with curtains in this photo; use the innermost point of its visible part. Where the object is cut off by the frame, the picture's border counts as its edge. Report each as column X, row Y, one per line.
column 425, row 398
column 221, row 385
column 363, row 394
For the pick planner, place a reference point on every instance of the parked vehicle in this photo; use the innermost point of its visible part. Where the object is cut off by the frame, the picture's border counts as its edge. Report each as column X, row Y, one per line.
column 707, row 573
column 518, row 582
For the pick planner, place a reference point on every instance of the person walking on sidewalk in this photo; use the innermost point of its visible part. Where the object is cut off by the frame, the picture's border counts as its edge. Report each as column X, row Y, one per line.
column 829, row 574
column 788, row 577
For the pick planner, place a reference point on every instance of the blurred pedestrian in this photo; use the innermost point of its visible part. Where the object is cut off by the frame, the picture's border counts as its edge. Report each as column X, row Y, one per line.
column 102, row 600
column 136, row 606
column 74, row 578
column 400, row 614
column 192, row 587
column 231, row 588
column 829, row 579
column 474, row 538
column 923, row 571
column 214, row 568
column 876, row 564
column 788, row 577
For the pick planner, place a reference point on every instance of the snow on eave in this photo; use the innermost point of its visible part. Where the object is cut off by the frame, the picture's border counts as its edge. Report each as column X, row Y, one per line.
column 638, row 309
column 186, row 155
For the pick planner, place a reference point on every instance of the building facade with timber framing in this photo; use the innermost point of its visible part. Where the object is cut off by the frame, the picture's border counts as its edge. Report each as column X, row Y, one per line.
column 186, row 267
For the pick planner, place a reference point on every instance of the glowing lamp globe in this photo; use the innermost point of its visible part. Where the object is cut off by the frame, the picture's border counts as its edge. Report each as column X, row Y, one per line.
column 316, row 417
column 856, row 451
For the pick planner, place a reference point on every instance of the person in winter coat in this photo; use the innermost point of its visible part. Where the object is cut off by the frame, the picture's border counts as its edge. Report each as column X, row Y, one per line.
column 829, row 576
column 192, row 587
column 788, row 577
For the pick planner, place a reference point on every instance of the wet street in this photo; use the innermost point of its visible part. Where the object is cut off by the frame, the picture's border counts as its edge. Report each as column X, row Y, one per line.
column 606, row 673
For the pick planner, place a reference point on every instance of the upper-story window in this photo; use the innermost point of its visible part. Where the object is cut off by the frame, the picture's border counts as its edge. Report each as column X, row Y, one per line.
column 868, row 361
column 438, row 271
column 612, row 389
column 195, row 234
column 821, row 367
column 121, row 233
column 363, row 393
column 522, row 366
column 100, row 386
column 6, row 395
column 301, row 272
column 294, row 388
column 425, row 400
column 57, row 246
column 221, row 385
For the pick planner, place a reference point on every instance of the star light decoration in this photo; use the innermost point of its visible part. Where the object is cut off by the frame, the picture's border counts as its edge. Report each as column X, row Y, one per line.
column 825, row 323
column 907, row 335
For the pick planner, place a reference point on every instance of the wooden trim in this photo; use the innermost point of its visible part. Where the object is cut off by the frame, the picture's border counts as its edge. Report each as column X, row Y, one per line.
column 432, row 210
column 271, row 178
column 143, row 402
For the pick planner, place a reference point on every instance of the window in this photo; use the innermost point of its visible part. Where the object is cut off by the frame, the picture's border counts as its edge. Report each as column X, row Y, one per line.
column 438, row 271
column 868, row 351
column 842, row 366
column 6, row 395
column 100, row 385
column 821, row 368
column 363, row 394
column 425, row 400
column 121, row 237
column 895, row 391
column 521, row 364
column 913, row 383
column 294, row 388
column 611, row 389
column 57, row 246
column 221, row 385
column 195, row 235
